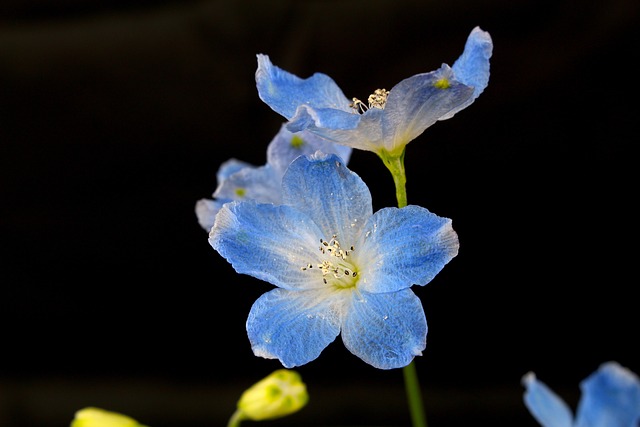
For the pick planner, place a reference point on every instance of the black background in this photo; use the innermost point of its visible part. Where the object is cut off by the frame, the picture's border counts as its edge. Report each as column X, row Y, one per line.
column 115, row 116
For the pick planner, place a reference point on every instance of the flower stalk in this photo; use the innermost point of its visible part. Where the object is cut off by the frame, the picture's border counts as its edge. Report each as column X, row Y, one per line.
column 414, row 395
column 395, row 164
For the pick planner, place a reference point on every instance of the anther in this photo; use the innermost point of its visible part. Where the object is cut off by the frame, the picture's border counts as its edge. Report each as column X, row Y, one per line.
column 377, row 99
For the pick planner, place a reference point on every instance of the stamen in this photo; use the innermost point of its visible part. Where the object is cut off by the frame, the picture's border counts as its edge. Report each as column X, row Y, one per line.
column 336, row 265
column 377, row 99
column 359, row 106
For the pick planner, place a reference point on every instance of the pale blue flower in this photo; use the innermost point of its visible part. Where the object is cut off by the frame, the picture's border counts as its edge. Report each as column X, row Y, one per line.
column 388, row 120
column 610, row 398
column 238, row 180
column 338, row 267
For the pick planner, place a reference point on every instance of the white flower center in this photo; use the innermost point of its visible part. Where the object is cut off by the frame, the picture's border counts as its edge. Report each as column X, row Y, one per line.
column 336, row 268
column 377, row 99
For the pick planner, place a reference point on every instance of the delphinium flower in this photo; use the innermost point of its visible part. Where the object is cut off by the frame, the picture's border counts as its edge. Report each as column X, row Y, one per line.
column 338, row 268
column 238, row 180
column 389, row 119
column 97, row 417
column 610, row 398
column 279, row 394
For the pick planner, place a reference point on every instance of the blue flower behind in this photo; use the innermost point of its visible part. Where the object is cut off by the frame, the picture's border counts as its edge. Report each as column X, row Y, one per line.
column 339, row 268
column 238, row 180
column 610, row 398
column 389, row 120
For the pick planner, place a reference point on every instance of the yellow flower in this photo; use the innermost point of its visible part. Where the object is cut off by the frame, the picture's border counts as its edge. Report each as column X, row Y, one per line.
column 96, row 417
column 279, row 394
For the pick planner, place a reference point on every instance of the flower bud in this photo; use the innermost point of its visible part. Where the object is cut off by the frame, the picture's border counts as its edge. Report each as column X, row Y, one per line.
column 95, row 417
column 279, row 394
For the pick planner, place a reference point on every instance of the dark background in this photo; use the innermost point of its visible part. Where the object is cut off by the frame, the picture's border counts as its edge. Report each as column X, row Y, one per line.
column 115, row 116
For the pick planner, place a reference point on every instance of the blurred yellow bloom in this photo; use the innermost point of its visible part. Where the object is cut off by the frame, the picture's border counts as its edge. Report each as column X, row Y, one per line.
column 279, row 394
column 96, row 417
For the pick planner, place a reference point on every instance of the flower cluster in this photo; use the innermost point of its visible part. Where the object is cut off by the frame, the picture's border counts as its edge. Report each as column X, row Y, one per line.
column 304, row 222
column 309, row 228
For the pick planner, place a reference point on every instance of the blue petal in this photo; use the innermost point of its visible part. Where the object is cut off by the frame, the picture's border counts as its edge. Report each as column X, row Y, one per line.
column 294, row 327
column 363, row 132
column 610, row 398
column 335, row 198
column 206, row 210
column 230, row 167
column 284, row 92
column 385, row 330
column 472, row 67
column 418, row 102
column 401, row 247
column 545, row 406
column 286, row 146
column 311, row 117
column 271, row 243
column 261, row 184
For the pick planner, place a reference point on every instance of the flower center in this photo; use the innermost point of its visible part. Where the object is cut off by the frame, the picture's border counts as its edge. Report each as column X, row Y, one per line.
column 377, row 99
column 336, row 268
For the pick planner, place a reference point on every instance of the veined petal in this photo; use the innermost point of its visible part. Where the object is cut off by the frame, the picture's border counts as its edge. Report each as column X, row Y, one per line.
column 314, row 118
column 545, row 406
column 261, row 184
column 271, row 243
column 610, row 398
column 472, row 67
column 284, row 92
column 206, row 210
column 363, row 132
column 418, row 102
column 286, row 146
column 294, row 326
column 335, row 198
column 385, row 330
column 401, row 247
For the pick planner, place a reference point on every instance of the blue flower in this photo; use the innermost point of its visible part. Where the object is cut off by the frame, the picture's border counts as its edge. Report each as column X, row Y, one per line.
column 238, row 180
column 388, row 120
column 610, row 398
column 338, row 267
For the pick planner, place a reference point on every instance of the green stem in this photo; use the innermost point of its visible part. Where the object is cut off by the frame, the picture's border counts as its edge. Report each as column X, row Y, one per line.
column 395, row 163
column 235, row 419
column 414, row 395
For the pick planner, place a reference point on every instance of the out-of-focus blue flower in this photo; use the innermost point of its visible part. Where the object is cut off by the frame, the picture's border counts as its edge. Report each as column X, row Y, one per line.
column 238, row 180
column 610, row 398
column 338, row 267
column 388, row 120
